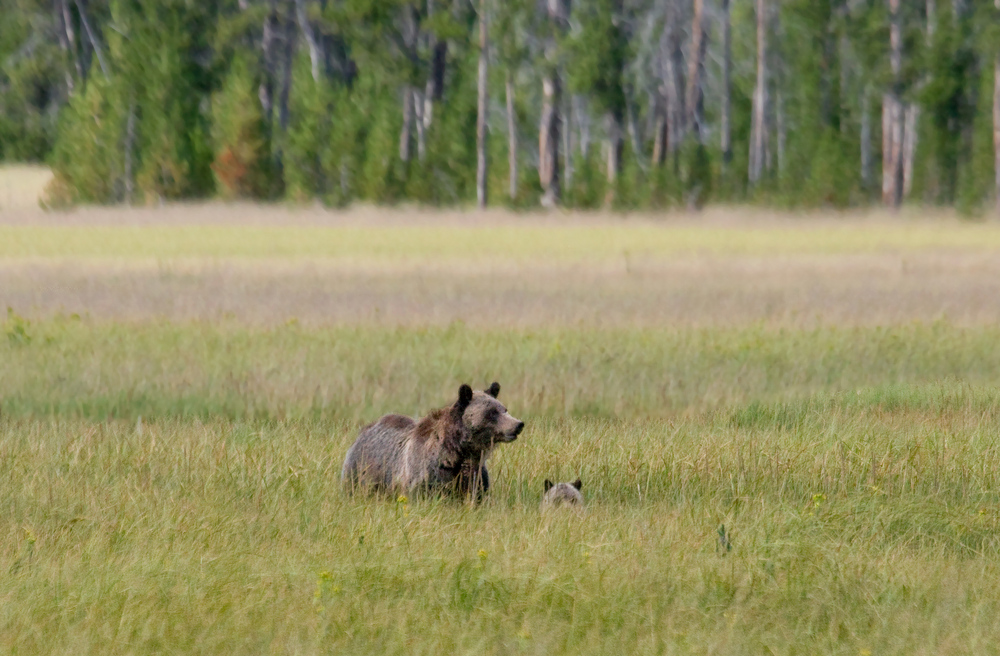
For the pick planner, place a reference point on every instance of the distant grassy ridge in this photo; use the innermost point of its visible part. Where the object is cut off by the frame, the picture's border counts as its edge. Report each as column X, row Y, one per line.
column 476, row 243
column 73, row 367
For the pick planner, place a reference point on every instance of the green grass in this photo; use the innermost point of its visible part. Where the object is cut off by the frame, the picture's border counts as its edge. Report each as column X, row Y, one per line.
column 521, row 243
column 76, row 367
column 856, row 470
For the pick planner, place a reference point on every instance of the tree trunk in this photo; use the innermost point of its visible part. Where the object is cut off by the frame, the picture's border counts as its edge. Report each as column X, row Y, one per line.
column 583, row 124
column 548, row 142
column 129, row 147
column 699, row 44
column 893, row 131
column 911, row 114
column 405, row 147
column 758, row 129
column 316, row 55
column 419, row 107
column 674, row 72
column 435, row 79
column 266, row 90
column 511, row 138
column 632, row 126
column 781, row 129
column 81, row 6
column 996, row 123
column 481, row 161
column 727, row 72
column 551, row 123
column 660, row 135
column 567, row 141
column 67, row 41
column 893, row 116
column 615, row 146
column 866, row 138
column 285, row 80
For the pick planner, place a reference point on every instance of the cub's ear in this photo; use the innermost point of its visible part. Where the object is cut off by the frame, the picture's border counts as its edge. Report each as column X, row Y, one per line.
column 464, row 398
column 578, row 484
column 548, row 485
column 494, row 389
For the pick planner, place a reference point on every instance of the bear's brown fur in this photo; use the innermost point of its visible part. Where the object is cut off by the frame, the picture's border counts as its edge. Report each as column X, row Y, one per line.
column 446, row 450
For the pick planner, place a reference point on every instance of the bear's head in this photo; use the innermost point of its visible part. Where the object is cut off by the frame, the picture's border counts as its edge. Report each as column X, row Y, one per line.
column 557, row 494
column 485, row 418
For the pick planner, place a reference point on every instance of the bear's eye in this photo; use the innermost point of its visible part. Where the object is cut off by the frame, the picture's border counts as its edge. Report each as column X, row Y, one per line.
column 492, row 414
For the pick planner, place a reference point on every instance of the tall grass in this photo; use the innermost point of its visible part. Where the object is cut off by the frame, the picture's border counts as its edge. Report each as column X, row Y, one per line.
column 174, row 488
column 74, row 367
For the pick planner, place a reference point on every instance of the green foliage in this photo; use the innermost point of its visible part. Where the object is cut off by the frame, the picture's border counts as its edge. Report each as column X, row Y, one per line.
column 382, row 173
column 243, row 163
column 590, row 182
column 186, row 77
column 596, row 55
column 832, row 179
column 315, row 110
column 88, row 159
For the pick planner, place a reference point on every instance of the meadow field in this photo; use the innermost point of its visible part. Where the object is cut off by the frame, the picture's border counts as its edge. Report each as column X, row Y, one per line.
column 179, row 385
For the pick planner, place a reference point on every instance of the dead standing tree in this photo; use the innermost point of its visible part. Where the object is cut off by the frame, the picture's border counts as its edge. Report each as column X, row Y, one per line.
column 695, row 96
column 996, row 119
column 483, row 106
column 557, row 12
column 727, row 69
column 893, row 125
column 759, row 123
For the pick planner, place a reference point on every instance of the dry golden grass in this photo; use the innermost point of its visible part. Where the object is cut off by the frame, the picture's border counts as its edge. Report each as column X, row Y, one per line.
column 877, row 289
column 21, row 187
column 269, row 264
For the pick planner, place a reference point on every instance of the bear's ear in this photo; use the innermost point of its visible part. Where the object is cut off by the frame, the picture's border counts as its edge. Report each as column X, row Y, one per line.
column 548, row 485
column 494, row 389
column 464, row 398
column 578, row 484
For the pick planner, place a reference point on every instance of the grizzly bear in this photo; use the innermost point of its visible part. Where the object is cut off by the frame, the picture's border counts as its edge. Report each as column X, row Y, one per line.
column 445, row 451
column 557, row 494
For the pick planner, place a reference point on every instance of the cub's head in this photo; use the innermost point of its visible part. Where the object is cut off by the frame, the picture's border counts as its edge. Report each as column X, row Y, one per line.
column 557, row 494
column 486, row 419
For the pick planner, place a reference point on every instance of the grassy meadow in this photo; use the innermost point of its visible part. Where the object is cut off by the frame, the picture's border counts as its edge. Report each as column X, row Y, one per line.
column 169, row 476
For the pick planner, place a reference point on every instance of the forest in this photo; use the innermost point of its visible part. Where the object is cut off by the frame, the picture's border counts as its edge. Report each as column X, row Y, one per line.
column 623, row 104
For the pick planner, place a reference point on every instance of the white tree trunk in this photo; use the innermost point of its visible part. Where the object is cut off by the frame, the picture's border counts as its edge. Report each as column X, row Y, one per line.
column 758, row 138
column 483, row 106
column 727, row 66
column 996, row 124
column 511, row 138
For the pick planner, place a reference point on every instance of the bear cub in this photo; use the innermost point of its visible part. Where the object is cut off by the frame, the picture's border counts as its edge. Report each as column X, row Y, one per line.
column 558, row 494
column 445, row 451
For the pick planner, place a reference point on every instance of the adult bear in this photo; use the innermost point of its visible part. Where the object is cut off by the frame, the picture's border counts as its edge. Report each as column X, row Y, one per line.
column 445, row 451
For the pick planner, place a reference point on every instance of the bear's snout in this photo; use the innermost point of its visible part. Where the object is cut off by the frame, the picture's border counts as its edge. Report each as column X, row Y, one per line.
column 518, row 428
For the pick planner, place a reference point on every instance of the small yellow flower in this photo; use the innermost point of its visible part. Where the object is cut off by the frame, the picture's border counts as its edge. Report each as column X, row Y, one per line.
column 402, row 499
column 482, row 554
column 865, row 652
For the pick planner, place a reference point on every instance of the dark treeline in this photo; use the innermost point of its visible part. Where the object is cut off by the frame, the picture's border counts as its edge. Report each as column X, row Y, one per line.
column 581, row 103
